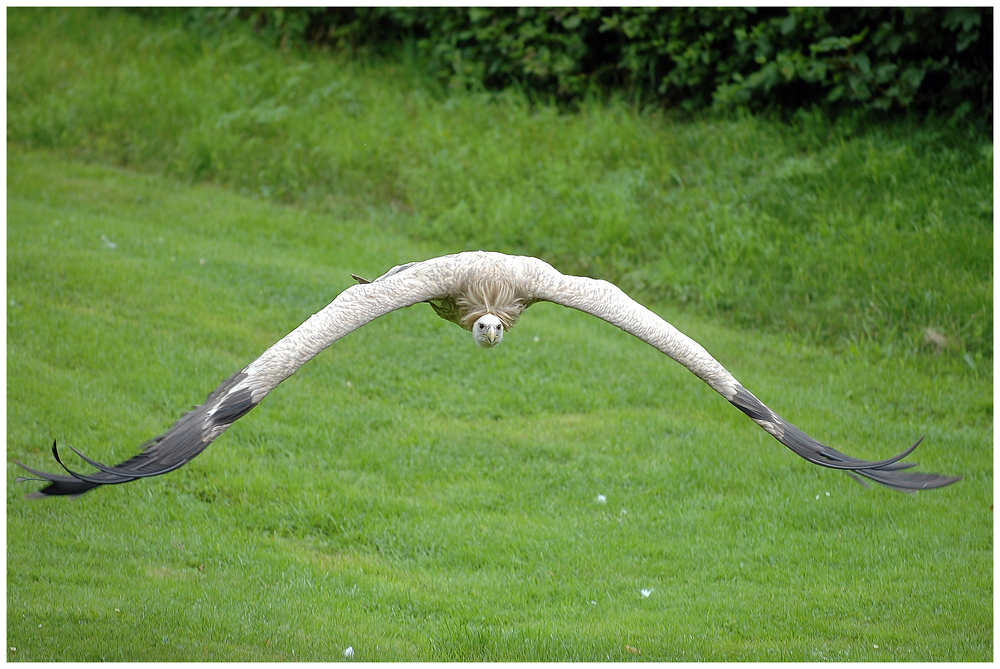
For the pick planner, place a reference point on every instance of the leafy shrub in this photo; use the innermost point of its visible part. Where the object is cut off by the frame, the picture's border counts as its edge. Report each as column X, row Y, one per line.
column 880, row 58
column 896, row 58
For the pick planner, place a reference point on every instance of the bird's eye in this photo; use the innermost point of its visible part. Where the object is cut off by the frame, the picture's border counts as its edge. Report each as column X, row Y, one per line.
column 482, row 327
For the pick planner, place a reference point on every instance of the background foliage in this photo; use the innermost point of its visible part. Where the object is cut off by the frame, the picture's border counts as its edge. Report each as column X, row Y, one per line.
column 688, row 58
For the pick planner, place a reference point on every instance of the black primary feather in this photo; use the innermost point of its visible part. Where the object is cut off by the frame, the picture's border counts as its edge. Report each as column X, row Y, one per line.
column 887, row 472
column 188, row 437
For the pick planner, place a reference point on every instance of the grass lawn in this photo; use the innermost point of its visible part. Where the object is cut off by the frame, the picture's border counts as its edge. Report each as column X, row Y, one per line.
column 380, row 498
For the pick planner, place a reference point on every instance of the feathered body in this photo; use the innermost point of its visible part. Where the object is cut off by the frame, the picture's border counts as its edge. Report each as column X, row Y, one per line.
column 475, row 290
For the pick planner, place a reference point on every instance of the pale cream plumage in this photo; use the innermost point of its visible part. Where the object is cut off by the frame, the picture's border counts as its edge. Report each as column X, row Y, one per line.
column 462, row 288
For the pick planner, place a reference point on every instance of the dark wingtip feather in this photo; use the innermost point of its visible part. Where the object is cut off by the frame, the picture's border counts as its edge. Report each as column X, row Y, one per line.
column 889, row 472
column 186, row 438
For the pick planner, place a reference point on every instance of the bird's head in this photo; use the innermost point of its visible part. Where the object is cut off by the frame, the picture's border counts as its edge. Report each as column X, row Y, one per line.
column 488, row 331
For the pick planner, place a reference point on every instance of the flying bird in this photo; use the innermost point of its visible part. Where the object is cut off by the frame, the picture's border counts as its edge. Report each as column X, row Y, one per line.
column 485, row 293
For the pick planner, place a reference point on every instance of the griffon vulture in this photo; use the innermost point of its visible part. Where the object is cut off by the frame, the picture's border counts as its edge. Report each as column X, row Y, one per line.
column 482, row 292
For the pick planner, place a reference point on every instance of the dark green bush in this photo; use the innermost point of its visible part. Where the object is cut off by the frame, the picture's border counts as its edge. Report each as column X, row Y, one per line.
column 925, row 59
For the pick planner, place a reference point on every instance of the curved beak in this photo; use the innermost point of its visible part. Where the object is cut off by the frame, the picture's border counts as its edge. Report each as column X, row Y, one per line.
column 491, row 334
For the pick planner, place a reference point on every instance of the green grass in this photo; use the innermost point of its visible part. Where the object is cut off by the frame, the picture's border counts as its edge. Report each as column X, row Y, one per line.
column 380, row 498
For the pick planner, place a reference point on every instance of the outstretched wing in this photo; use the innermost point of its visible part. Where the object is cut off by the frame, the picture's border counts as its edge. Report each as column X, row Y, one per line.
column 610, row 303
column 240, row 393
